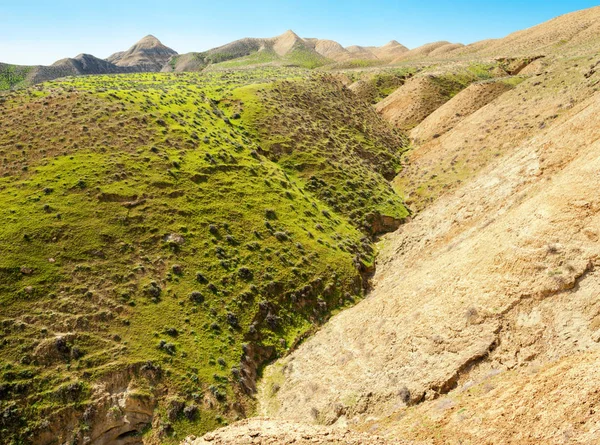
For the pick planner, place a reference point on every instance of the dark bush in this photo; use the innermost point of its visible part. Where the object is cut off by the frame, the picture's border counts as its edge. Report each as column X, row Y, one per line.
column 281, row 236
column 197, row 297
column 191, row 412
column 245, row 273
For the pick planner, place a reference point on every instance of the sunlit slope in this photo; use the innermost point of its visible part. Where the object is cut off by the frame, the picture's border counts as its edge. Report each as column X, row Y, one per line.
column 156, row 252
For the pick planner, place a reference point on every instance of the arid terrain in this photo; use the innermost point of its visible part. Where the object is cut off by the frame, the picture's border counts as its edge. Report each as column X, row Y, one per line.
column 284, row 240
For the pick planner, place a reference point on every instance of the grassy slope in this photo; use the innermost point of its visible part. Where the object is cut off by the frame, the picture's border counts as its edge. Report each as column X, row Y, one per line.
column 251, row 54
column 343, row 163
column 121, row 196
column 12, row 76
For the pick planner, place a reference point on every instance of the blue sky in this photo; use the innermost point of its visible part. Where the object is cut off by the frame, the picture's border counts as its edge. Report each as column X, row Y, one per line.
column 40, row 32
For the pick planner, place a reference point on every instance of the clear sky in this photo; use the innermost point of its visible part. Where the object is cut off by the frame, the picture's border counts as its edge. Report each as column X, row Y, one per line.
column 41, row 32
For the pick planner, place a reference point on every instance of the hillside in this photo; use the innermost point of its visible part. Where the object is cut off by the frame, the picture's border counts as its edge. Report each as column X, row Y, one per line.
column 168, row 234
column 570, row 34
column 149, row 54
column 481, row 325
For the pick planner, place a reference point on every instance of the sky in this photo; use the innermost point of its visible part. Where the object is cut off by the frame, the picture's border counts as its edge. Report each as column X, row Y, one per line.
column 41, row 32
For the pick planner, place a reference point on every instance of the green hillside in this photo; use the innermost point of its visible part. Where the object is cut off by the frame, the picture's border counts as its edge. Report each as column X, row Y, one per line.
column 171, row 233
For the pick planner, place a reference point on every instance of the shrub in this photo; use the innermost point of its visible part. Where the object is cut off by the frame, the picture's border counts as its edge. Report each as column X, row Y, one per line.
column 232, row 320
column 191, row 412
column 281, row 236
column 196, row 297
column 245, row 273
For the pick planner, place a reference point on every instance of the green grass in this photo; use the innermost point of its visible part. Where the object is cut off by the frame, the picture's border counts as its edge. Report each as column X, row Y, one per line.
column 149, row 209
column 355, row 64
column 257, row 58
column 12, row 76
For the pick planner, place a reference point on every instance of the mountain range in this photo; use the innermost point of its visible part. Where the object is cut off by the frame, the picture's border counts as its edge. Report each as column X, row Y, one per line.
column 289, row 49
column 150, row 55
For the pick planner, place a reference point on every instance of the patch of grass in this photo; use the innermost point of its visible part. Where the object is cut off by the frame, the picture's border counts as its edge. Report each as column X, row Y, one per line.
column 353, row 64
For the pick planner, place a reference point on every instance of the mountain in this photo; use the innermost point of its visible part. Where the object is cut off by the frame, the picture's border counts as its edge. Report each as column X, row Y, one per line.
column 81, row 65
column 148, row 53
column 286, row 49
column 389, row 51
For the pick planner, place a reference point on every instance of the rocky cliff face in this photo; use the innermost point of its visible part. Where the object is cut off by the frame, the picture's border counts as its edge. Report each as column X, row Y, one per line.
column 120, row 408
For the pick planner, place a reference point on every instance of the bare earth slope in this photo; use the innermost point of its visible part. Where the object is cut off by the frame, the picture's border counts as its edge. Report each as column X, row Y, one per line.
column 534, row 106
column 412, row 102
column 458, row 108
column 576, row 32
column 266, row 431
column 496, row 276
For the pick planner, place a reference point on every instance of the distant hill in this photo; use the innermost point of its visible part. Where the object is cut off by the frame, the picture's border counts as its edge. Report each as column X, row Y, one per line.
column 286, row 49
column 149, row 53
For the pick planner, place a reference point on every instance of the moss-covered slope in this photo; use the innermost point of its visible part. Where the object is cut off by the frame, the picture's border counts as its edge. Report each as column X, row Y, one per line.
column 152, row 231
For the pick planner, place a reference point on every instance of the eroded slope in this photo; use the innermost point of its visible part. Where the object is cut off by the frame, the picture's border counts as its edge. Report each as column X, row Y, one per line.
column 498, row 275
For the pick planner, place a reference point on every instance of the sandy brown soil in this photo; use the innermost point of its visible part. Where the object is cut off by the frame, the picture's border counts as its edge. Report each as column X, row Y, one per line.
column 494, row 277
column 270, row 432
column 410, row 104
column 458, row 108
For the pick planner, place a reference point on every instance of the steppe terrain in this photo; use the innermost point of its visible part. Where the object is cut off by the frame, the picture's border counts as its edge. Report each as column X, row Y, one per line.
column 282, row 240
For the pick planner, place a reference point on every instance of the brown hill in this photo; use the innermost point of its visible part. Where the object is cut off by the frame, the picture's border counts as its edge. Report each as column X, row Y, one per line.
column 83, row 64
column 576, row 32
column 389, row 51
column 288, row 48
column 330, row 49
column 458, row 108
column 412, row 102
column 361, row 53
column 422, row 51
column 148, row 53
